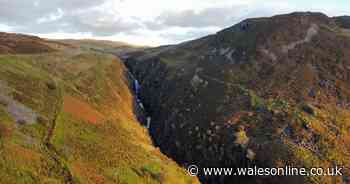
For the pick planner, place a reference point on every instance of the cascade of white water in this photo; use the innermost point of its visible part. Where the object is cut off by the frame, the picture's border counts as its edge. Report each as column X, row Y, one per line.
column 137, row 88
column 148, row 122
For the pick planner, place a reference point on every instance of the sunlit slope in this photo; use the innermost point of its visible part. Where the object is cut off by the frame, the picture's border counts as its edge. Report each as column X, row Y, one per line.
column 67, row 117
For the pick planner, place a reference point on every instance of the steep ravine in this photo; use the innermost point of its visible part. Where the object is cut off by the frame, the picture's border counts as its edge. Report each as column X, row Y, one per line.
column 267, row 92
column 141, row 112
column 169, row 128
column 146, row 101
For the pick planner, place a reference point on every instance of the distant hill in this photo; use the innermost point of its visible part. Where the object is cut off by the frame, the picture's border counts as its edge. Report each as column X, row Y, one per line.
column 343, row 21
column 269, row 92
column 113, row 47
column 11, row 43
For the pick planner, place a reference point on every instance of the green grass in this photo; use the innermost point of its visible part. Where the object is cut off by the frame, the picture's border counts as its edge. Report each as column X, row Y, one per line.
column 127, row 176
column 278, row 104
column 117, row 150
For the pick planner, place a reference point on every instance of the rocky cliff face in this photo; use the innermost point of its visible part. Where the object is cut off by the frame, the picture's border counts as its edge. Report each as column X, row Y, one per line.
column 267, row 92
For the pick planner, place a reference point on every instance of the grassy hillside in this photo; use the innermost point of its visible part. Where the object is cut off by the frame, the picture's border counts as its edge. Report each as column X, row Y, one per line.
column 11, row 43
column 68, row 117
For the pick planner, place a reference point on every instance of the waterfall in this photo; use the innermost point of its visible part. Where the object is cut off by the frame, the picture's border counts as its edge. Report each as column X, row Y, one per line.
column 148, row 122
column 137, row 88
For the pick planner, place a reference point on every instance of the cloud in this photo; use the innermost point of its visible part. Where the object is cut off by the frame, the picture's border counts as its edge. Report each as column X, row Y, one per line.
column 5, row 28
column 16, row 12
column 94, row 21
column 73, row 16
column 222, row 16
column 218, row 16
column 150, row 22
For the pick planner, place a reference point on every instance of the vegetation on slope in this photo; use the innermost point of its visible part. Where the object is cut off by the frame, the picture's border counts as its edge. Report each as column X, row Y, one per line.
column 83, row 129
column 11, row 43
column 277, row 87
column 112, row 47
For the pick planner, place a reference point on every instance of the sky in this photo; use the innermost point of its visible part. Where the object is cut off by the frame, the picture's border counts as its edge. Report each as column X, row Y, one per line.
column 140, row 22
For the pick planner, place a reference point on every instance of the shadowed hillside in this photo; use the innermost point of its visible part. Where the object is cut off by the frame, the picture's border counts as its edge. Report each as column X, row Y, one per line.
column 269, row 92
column 343, row 21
